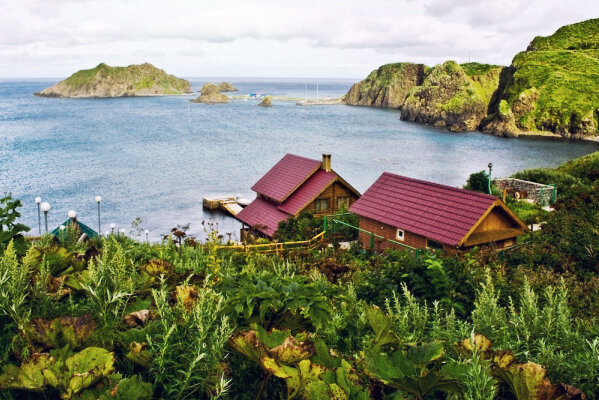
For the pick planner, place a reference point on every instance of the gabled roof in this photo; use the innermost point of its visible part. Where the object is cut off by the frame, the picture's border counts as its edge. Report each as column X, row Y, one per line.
column 286, row 176
column 439, row 212
column 82, row 227
column 314, row 186
column 262, row 215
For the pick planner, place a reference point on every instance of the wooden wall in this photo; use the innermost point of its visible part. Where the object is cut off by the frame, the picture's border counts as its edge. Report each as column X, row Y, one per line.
column 332, row 193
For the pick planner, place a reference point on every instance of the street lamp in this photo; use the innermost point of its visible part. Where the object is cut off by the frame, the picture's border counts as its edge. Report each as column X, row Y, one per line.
column 45, row 206
column 72, row 215
column 490, row 169
column 38, row 200
column 112, row 226
column 122, row 231
column 147, row 233
column 99, row 200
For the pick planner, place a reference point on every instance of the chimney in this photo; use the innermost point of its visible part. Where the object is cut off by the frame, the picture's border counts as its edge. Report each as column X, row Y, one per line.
column 326, row 162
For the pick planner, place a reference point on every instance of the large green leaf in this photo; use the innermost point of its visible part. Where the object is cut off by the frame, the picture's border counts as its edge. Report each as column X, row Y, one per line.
column 86, row 368
column 29, row 376
column 381, row 325
column 425, row 353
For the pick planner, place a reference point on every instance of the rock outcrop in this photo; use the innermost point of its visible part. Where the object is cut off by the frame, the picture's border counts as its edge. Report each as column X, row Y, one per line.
column 453, row 96
column 553, row 86
column 107, row 81
column 210, row 95
column 226, row 87
column 266, row 102
column 388, row 86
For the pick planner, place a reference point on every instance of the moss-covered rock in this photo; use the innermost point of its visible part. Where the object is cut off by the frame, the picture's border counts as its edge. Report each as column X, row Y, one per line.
column 387, row 86
column 210, row 94
column 554, row 85
column 266, row 102
column 107, row 81
column 226, row 87
column 453, row 96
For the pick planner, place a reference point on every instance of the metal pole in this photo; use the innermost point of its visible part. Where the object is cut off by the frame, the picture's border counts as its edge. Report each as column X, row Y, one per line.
column 99, row 220
column 39, row 219
column 46, row 219
column 490, row 169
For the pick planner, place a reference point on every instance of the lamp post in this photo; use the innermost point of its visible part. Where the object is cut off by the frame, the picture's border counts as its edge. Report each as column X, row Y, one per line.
column 147, row 233
column 490, row 169
column 112, row 226
column 122, row 231
column 45, row 206
column 38, row 200
column 99, row 200
column 72, row 215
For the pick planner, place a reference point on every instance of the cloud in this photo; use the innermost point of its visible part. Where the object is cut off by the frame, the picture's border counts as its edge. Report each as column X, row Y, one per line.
column 331, row 33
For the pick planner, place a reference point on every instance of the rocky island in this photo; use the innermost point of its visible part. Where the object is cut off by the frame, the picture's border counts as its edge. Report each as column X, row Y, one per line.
column 210, row 94
column 227, row 87
column 107, row 81
column 550, row 89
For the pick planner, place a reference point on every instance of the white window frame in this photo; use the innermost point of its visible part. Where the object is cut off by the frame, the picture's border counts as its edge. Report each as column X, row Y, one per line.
column 400, row 234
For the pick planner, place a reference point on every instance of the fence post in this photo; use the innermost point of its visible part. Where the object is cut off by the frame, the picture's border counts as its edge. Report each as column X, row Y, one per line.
column 325, row 223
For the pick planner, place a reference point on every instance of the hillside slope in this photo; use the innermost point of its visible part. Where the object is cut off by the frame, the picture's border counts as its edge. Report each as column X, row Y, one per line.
column 107, row 81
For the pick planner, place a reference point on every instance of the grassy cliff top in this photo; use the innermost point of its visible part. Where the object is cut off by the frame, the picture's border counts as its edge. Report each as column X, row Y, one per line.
column 142, row 76
column 474, row 68
column 580, row 36
column 386, row 74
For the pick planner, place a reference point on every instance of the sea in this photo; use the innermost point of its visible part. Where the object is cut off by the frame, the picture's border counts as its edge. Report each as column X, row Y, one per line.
column 155, row 158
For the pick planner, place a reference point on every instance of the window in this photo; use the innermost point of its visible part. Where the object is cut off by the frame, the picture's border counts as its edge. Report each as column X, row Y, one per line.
column 343, row 203
column 399, row 235
column 321, row 205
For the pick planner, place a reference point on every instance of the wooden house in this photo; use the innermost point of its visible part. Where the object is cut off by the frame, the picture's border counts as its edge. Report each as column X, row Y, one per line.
column 296, row 184
column 423, row 214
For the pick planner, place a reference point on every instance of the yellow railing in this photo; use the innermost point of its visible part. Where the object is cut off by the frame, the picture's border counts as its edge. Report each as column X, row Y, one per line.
column 276, row 247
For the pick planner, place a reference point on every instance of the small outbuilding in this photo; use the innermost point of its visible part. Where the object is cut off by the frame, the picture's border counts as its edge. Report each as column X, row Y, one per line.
column 424, row 214
column 293, row 185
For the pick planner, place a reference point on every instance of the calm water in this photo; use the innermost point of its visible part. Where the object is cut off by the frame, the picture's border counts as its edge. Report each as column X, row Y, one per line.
column 155, row 158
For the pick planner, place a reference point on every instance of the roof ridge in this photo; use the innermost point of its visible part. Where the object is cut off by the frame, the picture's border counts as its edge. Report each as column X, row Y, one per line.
column 442, row 186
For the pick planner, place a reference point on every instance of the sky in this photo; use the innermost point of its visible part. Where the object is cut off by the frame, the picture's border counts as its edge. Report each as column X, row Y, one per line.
column 259, row 38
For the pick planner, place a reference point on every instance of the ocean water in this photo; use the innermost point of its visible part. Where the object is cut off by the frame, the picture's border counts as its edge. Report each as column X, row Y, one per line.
column 155, row 158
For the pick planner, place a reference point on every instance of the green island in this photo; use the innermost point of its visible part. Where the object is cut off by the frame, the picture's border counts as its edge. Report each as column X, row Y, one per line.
column 107, row 81
column 551, row 89
column 119, row 317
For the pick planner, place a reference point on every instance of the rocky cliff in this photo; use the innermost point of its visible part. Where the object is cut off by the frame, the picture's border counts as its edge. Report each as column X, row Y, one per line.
column 453, row 96
column 107, row 81
column 387, row 86
column 553, row 86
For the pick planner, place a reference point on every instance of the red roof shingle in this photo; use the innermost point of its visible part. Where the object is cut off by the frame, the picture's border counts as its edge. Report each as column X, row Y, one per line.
column 308, row 191
column 262, row 215
column 290, row 172
column 439, row 212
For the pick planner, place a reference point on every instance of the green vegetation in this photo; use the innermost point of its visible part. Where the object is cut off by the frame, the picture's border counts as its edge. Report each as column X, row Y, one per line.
column 387, row 86
column 104, row 80
column 553, row 85
column 453, row 95
column 116, row 318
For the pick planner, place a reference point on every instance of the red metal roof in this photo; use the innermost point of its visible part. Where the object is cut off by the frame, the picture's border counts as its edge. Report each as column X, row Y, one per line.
column 308, row 191
column 439, row 212
column 262, row 215
column 290, row 172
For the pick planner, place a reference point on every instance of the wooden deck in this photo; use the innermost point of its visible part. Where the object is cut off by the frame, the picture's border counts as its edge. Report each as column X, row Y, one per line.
column 228, row 204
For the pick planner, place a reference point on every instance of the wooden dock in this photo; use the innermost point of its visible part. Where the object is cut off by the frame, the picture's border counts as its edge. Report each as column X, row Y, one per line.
column 228, row 204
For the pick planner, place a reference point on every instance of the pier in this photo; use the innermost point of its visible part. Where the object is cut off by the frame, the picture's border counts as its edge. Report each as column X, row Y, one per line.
column 225, row 203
